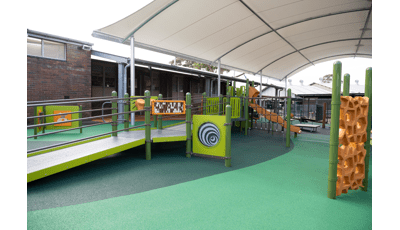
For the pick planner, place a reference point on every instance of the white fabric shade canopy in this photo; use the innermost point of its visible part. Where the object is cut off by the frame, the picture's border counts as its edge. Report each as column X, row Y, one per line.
column 279, row 38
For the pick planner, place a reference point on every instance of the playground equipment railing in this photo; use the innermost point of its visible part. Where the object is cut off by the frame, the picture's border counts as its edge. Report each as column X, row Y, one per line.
column 113, row 99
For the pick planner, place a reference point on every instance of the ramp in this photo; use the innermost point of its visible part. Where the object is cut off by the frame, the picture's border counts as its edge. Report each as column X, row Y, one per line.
column 46, row 164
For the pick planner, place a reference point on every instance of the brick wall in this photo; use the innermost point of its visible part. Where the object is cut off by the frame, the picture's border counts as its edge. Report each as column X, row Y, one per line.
column 49, row 79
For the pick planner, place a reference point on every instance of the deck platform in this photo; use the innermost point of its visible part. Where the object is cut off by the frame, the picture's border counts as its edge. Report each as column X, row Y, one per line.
column 46, row 164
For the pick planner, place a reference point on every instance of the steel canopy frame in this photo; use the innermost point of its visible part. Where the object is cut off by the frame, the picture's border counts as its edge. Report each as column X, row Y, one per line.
column 105, row 36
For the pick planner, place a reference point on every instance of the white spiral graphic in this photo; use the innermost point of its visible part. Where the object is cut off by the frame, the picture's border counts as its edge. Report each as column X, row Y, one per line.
column 208, row 134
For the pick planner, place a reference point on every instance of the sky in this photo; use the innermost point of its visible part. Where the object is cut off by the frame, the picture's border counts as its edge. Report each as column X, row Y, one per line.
column 78, row 19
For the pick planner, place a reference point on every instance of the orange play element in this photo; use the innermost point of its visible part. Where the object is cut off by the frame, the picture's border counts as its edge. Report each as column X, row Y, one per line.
column 62, row 118
column 140, row 103
column 291, row 115
column 274, row 117
column 253, row 92
column 352, row 136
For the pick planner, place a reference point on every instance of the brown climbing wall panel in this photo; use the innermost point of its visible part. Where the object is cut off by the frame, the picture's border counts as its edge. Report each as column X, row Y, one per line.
column 352, row 136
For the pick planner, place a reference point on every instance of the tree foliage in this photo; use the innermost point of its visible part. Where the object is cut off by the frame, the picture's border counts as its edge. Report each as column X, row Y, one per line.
column 196, row 65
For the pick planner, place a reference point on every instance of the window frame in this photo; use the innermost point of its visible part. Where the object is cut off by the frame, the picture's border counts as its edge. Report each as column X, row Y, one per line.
column 42, row 50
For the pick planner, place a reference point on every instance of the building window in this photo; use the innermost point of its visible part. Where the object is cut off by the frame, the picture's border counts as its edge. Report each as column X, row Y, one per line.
column 47, row 49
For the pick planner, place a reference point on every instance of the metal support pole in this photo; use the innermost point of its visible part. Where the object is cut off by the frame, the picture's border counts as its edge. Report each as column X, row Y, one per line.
column 346, row 84
column 132, row 75
column 114, row 117
column 120, row 92
column 285, row 108
column 228, row 124
column 234, row 89
column 246, row 107
column 159, row 124
column 289, row 111
column 368, row 93
column 126, row 109
column 188, row 125
column 334, row 134
column 219, row 77
column 148, row 124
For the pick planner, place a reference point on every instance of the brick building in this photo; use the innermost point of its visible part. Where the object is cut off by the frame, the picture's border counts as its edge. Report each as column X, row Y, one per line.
column 57, row 68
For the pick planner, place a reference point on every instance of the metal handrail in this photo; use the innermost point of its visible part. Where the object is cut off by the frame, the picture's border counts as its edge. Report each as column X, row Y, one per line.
column 86, row 118
column 65, row 130
column 82, row 139
column 86, row 101
column 56, row 114
column 72, row 99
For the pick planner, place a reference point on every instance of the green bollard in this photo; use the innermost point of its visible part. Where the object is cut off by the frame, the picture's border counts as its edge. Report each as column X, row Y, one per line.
column 288, row 112
column 220, row 104
column 35, row 113
column 155, row 119
column 204, row 103
column 159, row 124
column 114, row 123
column 368, row 93
column 148, row 124
column 346, row 84
column 126, row 109
column 228, row 125
column 188, row 124
column 334, row 135
column 80, row 116
column 246, row 107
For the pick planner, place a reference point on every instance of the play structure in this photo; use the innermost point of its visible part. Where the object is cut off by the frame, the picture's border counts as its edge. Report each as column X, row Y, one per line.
column 206, row 130
column 350, row 144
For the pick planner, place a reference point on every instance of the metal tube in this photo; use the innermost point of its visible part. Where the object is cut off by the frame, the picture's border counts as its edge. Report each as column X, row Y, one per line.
column 81, row 119
column 65, row 130
column 72, row 102
column 228, row 122
column 188, row 125
column 126, row 78
column 219, row 77
column 132, row 75
column 57, row 114
column 147, row 128
column 289, row 111
column 346, row 85
column 334, row 134
column 368, row 93
column 31, row 102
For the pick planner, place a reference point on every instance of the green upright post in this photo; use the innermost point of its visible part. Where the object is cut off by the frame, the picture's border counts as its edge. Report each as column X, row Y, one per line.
column 288, row 112
column 188, row 124
column 234, row 89
column 148, row 124
column 126, row 109
column 228, row 125
column 204, row 104
column 114, row 123
column 246, row 107
column 80, row 116
column 334, row 135
column 252, row 83
column 35, row 113
column 227, row 86
column 159, row 125
column 346, row 84
column 368, row 93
